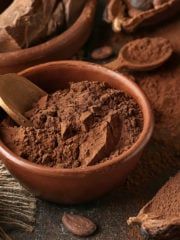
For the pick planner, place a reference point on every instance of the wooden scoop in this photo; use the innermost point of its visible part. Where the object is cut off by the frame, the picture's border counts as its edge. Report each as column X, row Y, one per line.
column 142, row 54
column 17, row 95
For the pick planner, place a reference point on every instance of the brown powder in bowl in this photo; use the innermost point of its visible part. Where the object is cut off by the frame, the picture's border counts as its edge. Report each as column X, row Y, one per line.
column 77, row 127
column 147, row 50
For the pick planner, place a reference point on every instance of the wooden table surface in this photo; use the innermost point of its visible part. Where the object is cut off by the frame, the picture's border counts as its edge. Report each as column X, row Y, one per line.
column 159, row 162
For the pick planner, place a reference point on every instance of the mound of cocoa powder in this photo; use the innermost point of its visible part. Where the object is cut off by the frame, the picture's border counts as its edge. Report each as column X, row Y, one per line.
column 159, row 219
column 80, row 126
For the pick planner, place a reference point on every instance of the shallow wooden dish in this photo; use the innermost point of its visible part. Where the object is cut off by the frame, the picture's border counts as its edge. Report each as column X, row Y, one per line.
column 63, row 46
column 79, row 185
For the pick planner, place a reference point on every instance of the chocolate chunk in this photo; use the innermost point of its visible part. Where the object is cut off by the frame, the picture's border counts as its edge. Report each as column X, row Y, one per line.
column 68, row 130
column 101, row 141
column 96, row 145
column 160, row 218
column 78, row 225
column 115, row 124
column 26, row 22
column 86, row 118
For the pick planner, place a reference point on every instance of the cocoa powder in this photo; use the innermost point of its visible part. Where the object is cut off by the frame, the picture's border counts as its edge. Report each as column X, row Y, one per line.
column 166, row 203
column 147, row 50
column 163, row 89
column 80, row 126
column 159, row 218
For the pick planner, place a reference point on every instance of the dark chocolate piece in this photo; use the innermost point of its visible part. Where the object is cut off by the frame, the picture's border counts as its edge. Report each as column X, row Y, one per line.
column 29, row 21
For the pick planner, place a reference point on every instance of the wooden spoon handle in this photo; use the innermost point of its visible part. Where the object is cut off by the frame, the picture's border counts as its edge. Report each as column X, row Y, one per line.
column 116, row 64
column 15, row 115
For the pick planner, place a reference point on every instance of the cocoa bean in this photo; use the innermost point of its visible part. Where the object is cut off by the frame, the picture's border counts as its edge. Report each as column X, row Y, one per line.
column 102, row 53
column 78, row 225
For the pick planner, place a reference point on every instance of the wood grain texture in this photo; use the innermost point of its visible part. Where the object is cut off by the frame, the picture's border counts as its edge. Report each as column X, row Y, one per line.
column 17, row 96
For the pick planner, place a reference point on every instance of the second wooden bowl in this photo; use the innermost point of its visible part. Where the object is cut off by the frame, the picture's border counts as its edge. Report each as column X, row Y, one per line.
column 63, row 46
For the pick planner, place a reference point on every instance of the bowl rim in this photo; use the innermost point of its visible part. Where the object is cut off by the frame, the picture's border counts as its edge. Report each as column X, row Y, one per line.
column 86, row 14
column 135, row 149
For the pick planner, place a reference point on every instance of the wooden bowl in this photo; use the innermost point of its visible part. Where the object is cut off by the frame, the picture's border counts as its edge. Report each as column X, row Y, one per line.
column 63, row 46
column 70, row 186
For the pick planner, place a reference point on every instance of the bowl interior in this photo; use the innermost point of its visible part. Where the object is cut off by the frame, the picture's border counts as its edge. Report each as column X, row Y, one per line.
column 57, row 75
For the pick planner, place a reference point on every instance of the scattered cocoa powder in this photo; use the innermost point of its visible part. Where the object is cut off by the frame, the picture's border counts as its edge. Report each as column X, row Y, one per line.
column 147, row 50
column 80, row 126
column 161, row 157
column 163, row 89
